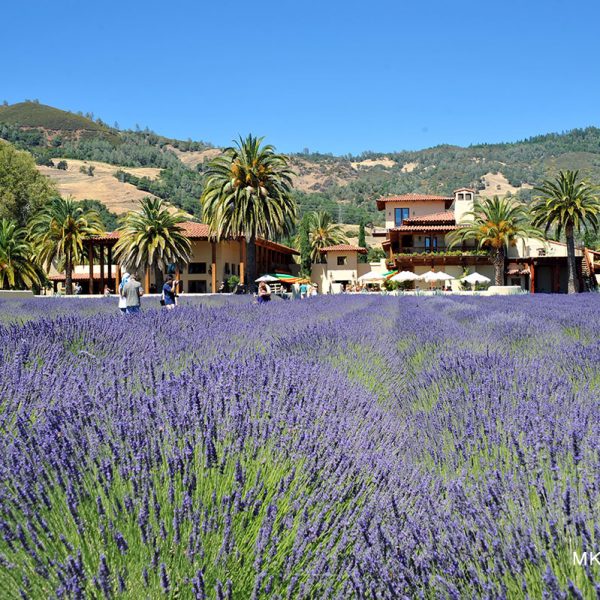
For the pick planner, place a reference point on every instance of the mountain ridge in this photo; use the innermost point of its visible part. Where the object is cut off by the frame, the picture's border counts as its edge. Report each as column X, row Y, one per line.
column 347, row 186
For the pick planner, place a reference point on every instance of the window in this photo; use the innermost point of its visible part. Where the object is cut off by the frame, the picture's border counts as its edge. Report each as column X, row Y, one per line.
column 197, row 287
column 197, row 268
column 226, row 268
column 431, row 243
column 461, row 196
column 399, row 215
column 341, row 260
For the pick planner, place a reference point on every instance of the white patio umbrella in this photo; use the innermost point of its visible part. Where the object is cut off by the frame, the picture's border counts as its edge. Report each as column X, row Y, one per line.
column 405, row 276
column 267, row 279
column 371, row 276
column 435, row 276
column 474, row 278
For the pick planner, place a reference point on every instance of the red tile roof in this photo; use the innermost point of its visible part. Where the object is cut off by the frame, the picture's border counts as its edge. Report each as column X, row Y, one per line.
column 439, row 217
column 201, row 231
column 381, row 202
column 409, row 228
column 344, row 248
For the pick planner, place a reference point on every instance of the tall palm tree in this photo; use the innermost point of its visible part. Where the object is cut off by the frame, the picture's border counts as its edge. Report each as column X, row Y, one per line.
column 248, row 193
column 495, row 224
column 58, row 232
column 152, row 237
column 567, row 205
column 18, row 269
column 323, row 232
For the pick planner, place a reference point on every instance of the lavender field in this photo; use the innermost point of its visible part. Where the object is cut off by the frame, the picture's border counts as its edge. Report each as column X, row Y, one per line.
column 338, row 447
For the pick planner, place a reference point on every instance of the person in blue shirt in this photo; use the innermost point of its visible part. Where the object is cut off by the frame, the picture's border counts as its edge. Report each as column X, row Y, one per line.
column 169, row 293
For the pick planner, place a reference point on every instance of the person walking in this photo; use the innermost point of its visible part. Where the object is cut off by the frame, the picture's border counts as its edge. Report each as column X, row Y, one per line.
column 122, row 299
column 303, row 290
column 132, row 291
column 169, row 293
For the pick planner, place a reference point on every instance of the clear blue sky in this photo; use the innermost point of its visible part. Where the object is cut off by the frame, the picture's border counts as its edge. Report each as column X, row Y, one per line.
column 333, row 76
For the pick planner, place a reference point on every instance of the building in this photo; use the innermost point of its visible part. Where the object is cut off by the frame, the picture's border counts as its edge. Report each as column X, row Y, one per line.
column 341, row 267
column 211, row 262
column 416, row 239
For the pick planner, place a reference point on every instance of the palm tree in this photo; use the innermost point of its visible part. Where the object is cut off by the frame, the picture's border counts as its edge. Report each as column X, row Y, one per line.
column 59, row 231
column 248, row 193
column 152, row 237
column 495, row 224
column 323, row 232
column 18, row 269
column 569, row 205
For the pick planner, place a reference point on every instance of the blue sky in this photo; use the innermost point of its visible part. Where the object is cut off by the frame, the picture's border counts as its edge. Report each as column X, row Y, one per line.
column 332, row 76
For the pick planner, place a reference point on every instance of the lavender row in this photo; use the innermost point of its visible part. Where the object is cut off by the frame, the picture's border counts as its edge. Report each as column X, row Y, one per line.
column 338, row 447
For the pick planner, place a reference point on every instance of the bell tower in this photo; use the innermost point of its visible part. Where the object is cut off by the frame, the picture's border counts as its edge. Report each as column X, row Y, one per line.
column 463, row 203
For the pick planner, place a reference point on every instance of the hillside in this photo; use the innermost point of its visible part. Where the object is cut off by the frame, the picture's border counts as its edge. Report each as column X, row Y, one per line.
column 345, row 186
column 118, row 196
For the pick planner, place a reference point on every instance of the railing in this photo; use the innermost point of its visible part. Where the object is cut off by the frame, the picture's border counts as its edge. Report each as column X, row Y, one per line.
column 421, row 249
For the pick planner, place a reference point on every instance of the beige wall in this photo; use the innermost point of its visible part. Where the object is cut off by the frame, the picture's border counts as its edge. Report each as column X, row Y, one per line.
column 463, row 203
column 417, row 209
column 328, row 275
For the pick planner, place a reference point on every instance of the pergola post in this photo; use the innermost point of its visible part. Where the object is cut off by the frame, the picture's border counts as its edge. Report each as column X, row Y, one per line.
column 117, row 278
column 101, row 248
column 532, row 278
column 213, row 248
column 147, row 281
column 109, row 252
column 91, row 261
column 242, row 260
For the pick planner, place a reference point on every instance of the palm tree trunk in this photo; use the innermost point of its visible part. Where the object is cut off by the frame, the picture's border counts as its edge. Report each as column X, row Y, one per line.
column 251, row 262
column 69, row 274
column 499, row 266
column 573, row 286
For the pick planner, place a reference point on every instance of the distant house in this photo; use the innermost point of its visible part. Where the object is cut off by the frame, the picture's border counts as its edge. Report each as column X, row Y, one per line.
column 416, row 230
column 341, row 267
column 211, row 262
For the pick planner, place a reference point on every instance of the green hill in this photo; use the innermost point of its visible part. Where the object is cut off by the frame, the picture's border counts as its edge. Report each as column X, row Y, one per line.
column 33, row 114
column 346, row 186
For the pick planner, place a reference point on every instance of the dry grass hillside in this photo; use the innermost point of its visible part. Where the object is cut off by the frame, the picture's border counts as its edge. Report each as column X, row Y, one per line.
column 317, row 177
column 117, row 196
column 496, row 184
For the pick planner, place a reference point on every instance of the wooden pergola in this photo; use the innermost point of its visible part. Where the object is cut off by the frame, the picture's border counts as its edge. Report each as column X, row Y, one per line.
column 270, row 257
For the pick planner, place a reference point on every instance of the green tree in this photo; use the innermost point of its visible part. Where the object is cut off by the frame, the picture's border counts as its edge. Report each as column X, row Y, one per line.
column 323, row 232
column 62, row 165
column 362, row 242
column 152, row 237
column 23, row 190
column 303, row 244
column 495, row 224
column 567, row 205
column 59, row 231
column 248, row 193
column 18, row 269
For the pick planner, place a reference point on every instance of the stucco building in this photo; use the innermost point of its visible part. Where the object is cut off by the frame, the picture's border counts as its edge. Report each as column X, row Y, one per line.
column 211, row 262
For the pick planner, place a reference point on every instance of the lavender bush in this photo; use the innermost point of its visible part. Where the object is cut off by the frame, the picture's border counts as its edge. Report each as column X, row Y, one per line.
column 338, row 447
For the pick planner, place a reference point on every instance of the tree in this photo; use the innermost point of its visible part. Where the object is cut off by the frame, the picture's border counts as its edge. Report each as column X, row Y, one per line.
column 323, row 232
column 303, row 243
column 152, row 237
column 495, row 224
column 23, row 190
column 568, row 205
column 18, row 269
column 248, row 193
column 62, row 165
column 362, row 242
column 59, row 231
